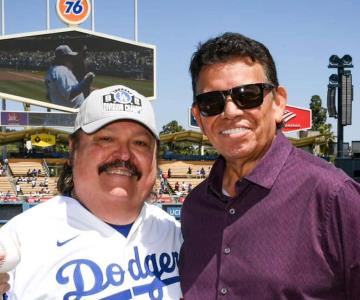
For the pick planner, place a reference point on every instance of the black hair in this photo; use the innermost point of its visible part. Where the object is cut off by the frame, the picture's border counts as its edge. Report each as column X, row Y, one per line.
column 227, row 46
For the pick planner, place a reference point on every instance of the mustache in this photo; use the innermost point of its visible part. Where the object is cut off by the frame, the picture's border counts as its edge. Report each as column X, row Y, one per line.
column 120, row 164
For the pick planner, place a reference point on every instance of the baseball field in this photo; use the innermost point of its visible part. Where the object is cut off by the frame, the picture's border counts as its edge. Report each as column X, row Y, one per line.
column 30, row 84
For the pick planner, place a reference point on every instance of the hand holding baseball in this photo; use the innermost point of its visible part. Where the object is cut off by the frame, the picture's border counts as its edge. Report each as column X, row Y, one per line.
column 4, row 285
column 89, row 77
column 9, row 253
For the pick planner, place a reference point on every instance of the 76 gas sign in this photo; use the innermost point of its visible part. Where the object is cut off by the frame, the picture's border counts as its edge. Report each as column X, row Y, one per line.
column 73, row 11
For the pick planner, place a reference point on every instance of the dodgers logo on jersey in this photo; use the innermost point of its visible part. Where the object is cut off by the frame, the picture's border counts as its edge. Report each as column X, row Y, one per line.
column 144, row 276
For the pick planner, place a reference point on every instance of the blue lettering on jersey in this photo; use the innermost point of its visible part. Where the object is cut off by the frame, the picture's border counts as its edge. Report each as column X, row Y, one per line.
column 153, row 265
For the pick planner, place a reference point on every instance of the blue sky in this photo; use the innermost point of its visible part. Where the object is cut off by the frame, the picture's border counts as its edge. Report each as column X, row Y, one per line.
column 301, row 35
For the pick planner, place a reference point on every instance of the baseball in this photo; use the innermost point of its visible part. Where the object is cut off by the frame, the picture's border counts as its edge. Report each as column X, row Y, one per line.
column 9, row 253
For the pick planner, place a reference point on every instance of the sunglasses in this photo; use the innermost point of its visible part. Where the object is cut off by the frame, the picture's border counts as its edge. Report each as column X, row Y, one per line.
column 244, row 96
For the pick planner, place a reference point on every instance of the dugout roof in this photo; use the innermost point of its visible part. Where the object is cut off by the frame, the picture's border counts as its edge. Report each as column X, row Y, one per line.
column 18, row 136
column 183, row 136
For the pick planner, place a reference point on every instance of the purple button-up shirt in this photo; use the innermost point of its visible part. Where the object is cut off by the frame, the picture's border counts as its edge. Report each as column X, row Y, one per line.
column 292, row 232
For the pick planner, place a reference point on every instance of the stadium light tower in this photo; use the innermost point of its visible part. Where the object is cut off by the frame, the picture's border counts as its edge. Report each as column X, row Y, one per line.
column 343, row 82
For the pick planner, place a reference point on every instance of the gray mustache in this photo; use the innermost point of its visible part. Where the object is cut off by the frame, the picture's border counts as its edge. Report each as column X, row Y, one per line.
column 120, row 164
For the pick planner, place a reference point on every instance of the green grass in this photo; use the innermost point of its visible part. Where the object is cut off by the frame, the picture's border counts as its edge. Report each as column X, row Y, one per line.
column 34, row 89
column 27, row 89
column 144, row 87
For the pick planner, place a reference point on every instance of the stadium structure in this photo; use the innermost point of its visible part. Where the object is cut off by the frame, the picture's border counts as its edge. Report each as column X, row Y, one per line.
column 34, row 148
column 33, row 158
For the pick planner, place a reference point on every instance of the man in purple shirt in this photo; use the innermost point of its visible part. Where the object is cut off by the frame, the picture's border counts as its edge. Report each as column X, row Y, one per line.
column 270, row 221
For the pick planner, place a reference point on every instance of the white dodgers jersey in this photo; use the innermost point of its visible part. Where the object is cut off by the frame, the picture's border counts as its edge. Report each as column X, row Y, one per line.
column 68, row 253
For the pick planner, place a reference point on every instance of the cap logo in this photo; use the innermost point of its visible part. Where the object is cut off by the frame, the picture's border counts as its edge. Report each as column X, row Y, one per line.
column 121, row 100
column 122, row 97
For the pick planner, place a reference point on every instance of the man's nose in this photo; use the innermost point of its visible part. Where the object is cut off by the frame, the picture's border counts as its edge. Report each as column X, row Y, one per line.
column 122, row 151
column 231, row 110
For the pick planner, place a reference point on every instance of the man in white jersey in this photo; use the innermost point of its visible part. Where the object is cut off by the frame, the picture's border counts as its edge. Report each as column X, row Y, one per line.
column 99, row 239
column 61, row 84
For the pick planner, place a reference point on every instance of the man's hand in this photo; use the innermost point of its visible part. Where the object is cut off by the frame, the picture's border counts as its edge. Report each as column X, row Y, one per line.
column 9, row 252
column 88, row 78
column 82, row 85
column 4, row 283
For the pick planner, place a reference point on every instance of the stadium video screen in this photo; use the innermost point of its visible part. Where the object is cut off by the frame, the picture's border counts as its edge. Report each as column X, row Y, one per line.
column 26, row 61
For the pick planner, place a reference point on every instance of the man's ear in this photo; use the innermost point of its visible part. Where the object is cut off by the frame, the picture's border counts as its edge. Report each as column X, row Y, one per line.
column 196, row 113
column 279, row 103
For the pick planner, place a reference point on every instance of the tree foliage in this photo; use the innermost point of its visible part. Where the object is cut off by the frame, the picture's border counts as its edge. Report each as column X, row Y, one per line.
column 171, row 127
column 319, row 124
column 318, row 113
column 184, row 148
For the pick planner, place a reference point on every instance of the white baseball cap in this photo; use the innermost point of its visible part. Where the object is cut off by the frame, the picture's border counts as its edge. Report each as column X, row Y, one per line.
column 115, row 103
column 63, row 50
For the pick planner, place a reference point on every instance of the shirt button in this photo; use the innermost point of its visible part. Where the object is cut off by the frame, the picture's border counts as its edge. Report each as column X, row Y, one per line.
column 223, row 291
column 232, row 211
column 227, row 250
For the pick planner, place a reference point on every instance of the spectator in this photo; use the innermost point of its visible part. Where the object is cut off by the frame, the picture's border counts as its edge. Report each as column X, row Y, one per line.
column 189, row 187
column 169, row 173
column 6, row 163
column 176, row 187
column 34, row 173
column 198, row 174
column 202, row 172
column 189, row 172
column 18, row 189
column 183, row 186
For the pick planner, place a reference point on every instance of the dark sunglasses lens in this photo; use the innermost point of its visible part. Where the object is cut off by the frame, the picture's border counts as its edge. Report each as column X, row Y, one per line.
column 248, row 96
column 210, row 104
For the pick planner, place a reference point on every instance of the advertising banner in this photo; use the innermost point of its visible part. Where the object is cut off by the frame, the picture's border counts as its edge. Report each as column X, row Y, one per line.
column 43, row 140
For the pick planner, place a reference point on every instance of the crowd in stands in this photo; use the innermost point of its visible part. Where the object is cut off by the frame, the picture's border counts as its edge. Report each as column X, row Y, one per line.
column 31, row 186
column 121, row 63
column 173, row 184
column 181, row 184
column 7, row 196
column 200, row 173
column 184, row 187
column 26, row 60
column 44, row 184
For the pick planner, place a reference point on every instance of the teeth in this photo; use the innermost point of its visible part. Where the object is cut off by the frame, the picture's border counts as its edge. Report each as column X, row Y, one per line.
column 120, row 172
column 234, row 130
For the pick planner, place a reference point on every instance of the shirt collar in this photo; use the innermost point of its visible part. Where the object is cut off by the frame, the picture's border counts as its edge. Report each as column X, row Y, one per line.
column 264, row 174
column 268, row 169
